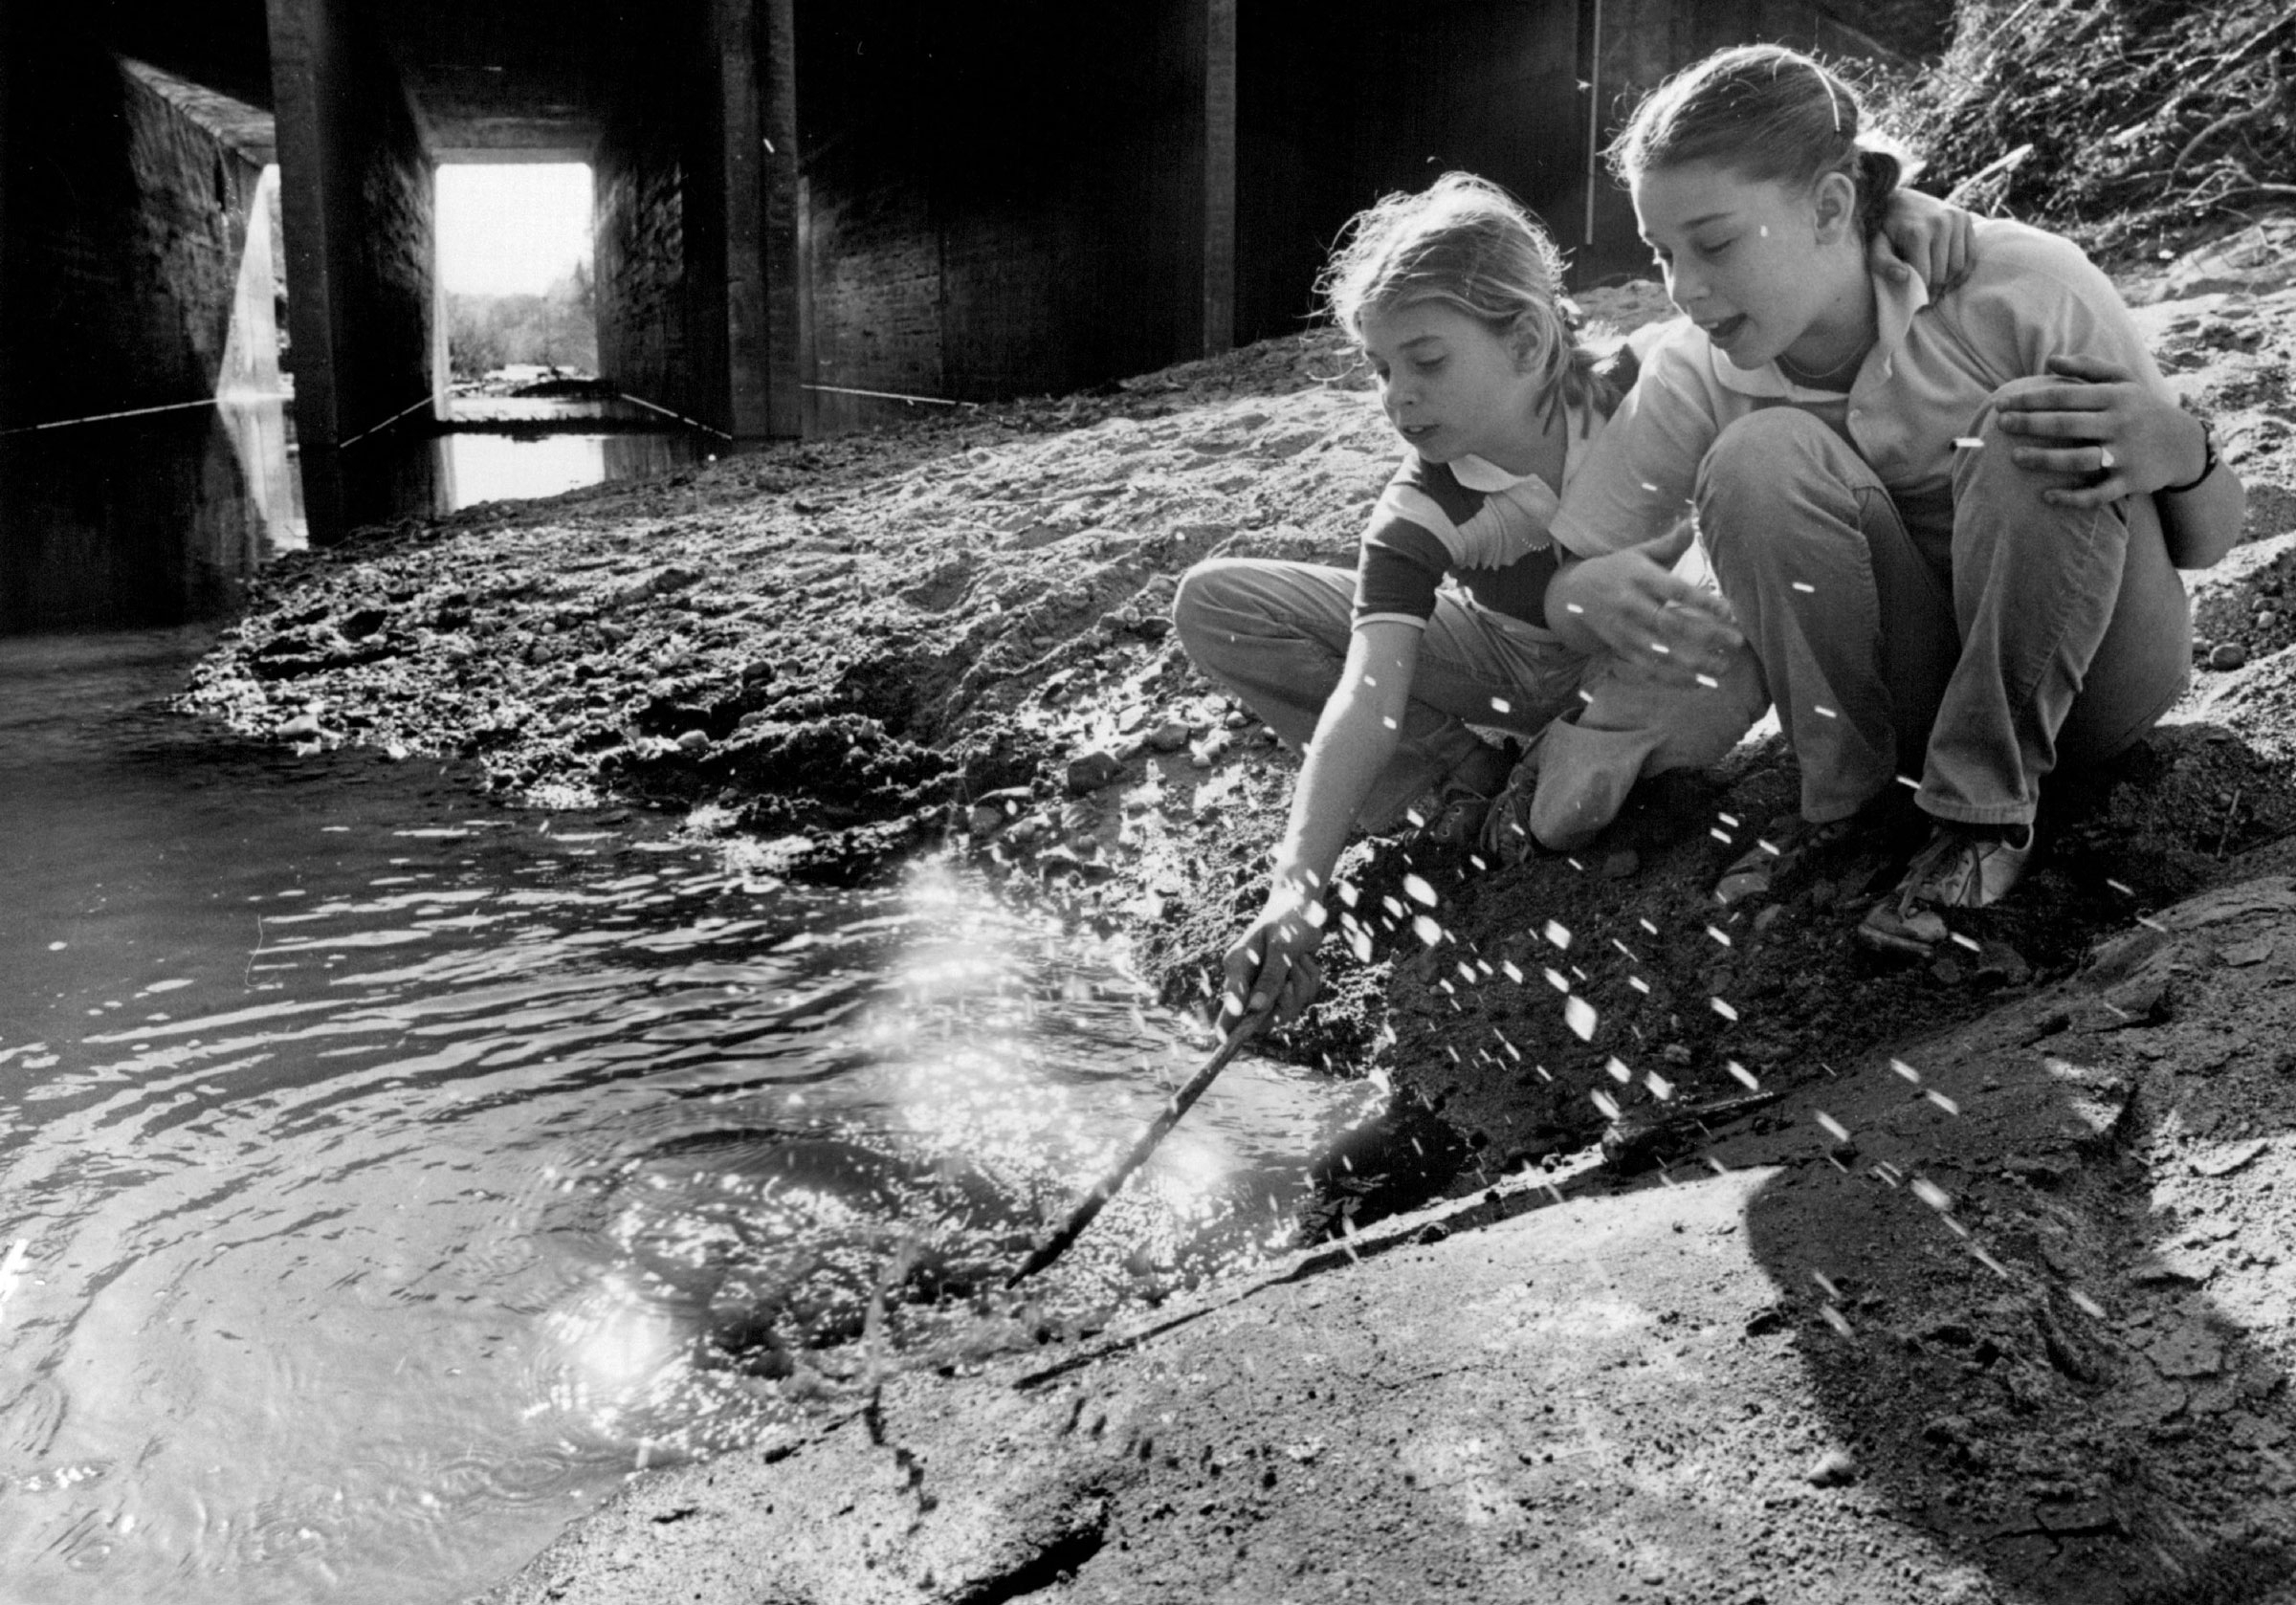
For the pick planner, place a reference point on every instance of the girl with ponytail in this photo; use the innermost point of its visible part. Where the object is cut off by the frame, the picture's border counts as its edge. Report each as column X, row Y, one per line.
column 1949, row 523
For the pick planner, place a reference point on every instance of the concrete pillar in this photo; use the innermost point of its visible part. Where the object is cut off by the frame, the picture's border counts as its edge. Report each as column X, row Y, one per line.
column 784, row 261
column 9, row 55
column 1219, row 176
column 748, row 365
column 302, row 45
column 357, row 195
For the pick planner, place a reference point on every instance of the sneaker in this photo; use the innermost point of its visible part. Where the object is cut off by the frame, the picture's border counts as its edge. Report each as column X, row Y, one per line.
column 1955, row 871
column 1773, row 856
column 1455, row 819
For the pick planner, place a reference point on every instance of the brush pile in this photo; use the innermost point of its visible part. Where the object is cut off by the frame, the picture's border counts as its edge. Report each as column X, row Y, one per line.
column 2127, row 125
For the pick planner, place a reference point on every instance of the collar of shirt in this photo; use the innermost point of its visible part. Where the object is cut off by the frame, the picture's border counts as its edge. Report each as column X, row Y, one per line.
column 1481, row 474
column 1895, row 305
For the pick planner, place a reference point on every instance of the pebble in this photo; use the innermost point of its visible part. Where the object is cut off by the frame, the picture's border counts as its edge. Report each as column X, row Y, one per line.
column 695, row 741
column 1831, row 1469
column 1090, row 771
column 2227, row 654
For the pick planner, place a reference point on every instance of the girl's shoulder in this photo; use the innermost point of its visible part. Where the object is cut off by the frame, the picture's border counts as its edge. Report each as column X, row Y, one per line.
column 2007, row 257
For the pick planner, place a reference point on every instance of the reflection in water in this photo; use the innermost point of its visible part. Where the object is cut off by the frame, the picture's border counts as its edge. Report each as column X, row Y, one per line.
column 380, row 1182
column 476, row 466
column 251, row 398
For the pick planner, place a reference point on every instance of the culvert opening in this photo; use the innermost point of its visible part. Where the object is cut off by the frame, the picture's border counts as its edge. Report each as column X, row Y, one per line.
column 527, row 412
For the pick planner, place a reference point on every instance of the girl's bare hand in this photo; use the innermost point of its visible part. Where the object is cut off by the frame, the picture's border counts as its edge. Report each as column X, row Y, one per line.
column 1922, row 235
column 1662, row 626
column 1272, row 967
column 2105, row 433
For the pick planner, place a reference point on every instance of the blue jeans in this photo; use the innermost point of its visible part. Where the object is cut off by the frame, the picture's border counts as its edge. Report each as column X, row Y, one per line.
column 1277, row 635
column 1973, row 647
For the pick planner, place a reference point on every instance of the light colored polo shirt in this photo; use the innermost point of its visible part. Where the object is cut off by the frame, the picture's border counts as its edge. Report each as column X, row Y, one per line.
column 2029, row 295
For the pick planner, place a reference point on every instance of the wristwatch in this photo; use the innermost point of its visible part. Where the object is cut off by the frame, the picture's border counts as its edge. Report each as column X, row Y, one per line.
column 2208, row 462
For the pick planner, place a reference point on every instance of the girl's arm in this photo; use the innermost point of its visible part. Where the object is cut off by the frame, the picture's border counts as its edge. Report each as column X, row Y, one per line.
column 1272, row 965
column 2115, row 437
column 1922, row 235
column 1633, row 605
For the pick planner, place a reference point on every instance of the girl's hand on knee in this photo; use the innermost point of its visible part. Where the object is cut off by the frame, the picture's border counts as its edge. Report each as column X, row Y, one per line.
column 2108, row 434
column 1272, row 970
column 1921, row 235
column 1662, row 628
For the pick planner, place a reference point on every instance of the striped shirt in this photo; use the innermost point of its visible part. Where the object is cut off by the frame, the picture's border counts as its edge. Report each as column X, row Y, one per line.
column 1472, row 523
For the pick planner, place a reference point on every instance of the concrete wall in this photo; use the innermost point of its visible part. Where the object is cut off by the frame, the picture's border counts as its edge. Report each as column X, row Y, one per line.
column 120, row 268
column 1342, row 101
column 661, row 218
column 358, row 202
column 1000, row 198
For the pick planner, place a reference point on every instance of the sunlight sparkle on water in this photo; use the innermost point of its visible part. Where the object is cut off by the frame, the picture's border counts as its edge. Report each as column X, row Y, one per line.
column 1579, row 1016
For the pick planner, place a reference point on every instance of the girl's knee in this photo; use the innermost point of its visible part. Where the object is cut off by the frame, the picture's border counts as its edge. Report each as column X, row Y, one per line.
column 1992, row 464
column 1767, row 459
column 1773, row 473
column 1209, row 588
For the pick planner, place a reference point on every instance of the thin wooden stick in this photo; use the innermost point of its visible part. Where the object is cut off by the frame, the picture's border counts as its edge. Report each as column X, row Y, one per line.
column 1081, row 1216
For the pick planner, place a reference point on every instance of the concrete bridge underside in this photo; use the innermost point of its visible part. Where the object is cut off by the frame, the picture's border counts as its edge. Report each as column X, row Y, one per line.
column 803, row 208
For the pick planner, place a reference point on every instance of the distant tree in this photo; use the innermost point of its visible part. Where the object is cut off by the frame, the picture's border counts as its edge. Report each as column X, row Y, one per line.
column 558, row 328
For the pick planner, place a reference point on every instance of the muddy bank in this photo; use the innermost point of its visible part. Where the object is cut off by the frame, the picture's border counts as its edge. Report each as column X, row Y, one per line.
column 2003, row 1316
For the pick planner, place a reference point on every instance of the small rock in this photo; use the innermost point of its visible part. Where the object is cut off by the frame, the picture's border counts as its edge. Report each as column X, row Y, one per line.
column 1059, row 859
column 1831, row 1469
column 1169, row 736
column 2189, row 1351
column 983, row 818
column 1948, row 1429
column 2227, row 654
column 1030, row 829
column 2000, row 962
column 363, row 621
column 757, row 673
column 303, row 727
column 695, row 742
column 1088, row 772
column 1236, row 721
column 1211, row 750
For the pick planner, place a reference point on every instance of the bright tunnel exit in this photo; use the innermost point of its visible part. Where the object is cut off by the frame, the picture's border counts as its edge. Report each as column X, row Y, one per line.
column 513, row 261
column 526, row 413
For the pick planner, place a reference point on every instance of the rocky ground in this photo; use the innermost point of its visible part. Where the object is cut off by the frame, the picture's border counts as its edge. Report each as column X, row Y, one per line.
column 954, row 636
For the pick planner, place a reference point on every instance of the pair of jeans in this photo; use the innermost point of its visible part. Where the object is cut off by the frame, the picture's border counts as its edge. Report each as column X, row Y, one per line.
column 1973, row 646
column 1277, row 635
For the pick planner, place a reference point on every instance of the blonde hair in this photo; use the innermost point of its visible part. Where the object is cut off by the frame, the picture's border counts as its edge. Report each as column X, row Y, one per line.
column 1467, row 243
column 1768, row 114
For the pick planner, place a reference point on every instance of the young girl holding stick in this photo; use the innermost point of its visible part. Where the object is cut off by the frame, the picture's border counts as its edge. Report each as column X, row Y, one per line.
column 1453, row 295
column 1948, row 523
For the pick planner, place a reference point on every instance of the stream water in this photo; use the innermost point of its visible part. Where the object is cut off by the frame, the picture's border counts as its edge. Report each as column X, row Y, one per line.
column 385, row 1174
